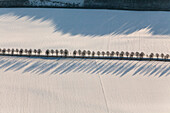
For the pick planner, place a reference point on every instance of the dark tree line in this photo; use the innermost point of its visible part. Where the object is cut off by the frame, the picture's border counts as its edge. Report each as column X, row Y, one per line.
column 83, row 53
column 57, row 52
column 21, row 51
column 121, row 54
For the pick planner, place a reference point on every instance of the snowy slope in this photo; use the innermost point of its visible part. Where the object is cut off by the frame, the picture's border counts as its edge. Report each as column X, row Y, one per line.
column 86, row 86
column 32, row 85
column 85, row 29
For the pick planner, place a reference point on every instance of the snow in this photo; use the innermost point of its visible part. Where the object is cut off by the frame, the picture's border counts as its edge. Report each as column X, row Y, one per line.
column 39, row 85
column 85, row 29
column 79, row 85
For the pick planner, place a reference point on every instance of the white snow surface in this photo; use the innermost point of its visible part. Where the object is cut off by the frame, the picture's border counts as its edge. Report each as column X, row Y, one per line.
column 39, row 85
column 72, row 29
column 31, row 85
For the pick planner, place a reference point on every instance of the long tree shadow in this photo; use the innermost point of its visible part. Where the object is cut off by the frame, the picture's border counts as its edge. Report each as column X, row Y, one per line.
column 96, row 22
column 90, row 66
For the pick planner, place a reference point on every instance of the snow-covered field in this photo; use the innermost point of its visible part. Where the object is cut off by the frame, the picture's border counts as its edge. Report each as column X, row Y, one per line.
column 31, row 85
column 87, row 86
column 85, row 29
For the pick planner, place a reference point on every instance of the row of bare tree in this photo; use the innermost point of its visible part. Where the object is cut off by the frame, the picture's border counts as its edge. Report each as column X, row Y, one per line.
column 83, row 53
column 21, row 51
column 119, row 54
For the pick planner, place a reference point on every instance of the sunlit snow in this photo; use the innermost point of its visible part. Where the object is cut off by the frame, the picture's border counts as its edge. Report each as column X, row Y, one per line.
column 38, row 85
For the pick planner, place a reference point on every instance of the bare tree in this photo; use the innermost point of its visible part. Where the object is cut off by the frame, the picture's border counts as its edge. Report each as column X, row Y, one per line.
column 21, row 51
column 122, row 54
column 167, row 56
column 39, row 51
column 147, row 55
column 26, row 51
column 93, row 54
column 141, row 54
column 79, row 52
column 151, row 55
column 30, row 52
column 61, row 52
column 98, row 53
column 74, row 53
column 35, row 51
column 157, row 55
column 117, row 53
column 137, row 54
column 17, row 50
column 103, row 53
column 12, row 51
column 66, row 52
column 112, row 53
column 56, row 52
column 84, row 53
column 52, row 52
column 162, row 55
column 4, row 51
column 47, row 52
column 108, row 53
column 127, row 54
column 89, row 52
column 132, row 54
column 8, row 51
